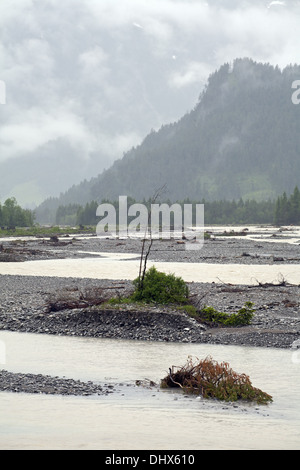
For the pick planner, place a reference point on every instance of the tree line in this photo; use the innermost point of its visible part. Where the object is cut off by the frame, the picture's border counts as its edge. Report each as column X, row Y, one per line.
column 283, row 211
column 12, row 215
column 287, row 209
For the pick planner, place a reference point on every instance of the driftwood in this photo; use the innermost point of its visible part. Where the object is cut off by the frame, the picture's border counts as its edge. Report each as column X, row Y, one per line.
column 281, row 283
column 74, row 298
column 213, row 380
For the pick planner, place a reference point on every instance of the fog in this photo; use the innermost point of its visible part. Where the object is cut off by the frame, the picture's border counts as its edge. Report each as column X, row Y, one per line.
column 88, row 79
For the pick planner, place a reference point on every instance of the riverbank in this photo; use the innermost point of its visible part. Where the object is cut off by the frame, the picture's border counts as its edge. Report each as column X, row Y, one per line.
column 25, row 306
column 255, row 245
column 25, row 299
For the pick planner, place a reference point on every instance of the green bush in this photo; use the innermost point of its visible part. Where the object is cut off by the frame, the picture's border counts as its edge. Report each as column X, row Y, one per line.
column 190, row 310
column 160, row 288
column 242, row 317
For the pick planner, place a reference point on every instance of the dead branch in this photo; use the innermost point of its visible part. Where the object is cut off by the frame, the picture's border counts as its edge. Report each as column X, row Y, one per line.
column 154, row 198
column 281, row 283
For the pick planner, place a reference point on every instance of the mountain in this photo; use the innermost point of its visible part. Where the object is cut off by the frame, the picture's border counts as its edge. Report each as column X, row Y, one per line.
column 241, row 140
column 84, row 81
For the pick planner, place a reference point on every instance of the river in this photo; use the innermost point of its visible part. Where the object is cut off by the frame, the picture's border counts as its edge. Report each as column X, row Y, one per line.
column 123, row 267
column 142, row 418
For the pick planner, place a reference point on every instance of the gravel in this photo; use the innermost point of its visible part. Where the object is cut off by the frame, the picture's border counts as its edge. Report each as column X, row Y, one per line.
column 218, row 249
column 45, row 384
column 24, row 302
column 24, row 306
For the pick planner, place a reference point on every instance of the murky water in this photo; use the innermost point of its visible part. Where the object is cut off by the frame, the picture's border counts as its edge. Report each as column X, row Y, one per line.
column 262, row 231
column 126, row 265
column 134, row 417
column 112, row 268
column 138, row 418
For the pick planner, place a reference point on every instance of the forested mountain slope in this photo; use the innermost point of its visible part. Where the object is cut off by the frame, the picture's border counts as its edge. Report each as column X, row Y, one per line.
column 241, row 140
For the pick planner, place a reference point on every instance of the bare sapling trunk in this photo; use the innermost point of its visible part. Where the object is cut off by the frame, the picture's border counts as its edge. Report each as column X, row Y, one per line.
column 145, row 253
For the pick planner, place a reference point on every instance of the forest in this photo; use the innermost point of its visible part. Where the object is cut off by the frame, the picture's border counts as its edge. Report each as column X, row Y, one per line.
column 240, row 142
column 287, row 209
column 282, row 211
column 12, row 215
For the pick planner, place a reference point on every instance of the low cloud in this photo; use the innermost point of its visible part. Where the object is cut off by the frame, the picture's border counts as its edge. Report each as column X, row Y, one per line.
column 192, row 73
column 101, row 74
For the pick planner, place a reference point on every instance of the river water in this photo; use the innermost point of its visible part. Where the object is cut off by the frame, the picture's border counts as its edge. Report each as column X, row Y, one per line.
column 109, row 267
column 142, row 418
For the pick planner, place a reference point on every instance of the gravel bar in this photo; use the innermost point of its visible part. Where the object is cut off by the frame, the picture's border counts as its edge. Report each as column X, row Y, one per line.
column 24, row 307
column 24, row 302
column 45, row 384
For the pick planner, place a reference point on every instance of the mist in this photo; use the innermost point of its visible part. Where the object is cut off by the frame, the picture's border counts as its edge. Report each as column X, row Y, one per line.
column 87, row 80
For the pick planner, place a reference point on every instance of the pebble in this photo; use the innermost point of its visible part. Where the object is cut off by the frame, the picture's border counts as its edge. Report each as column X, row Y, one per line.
column 38, row 383
column 24, row 306
column 270, row 327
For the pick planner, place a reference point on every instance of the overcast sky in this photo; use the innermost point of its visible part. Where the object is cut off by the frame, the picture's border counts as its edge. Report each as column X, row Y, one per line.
column 99, row 74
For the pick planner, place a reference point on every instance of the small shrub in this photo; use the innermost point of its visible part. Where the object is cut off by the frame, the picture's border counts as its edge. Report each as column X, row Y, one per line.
column 213, row 317
column 190, row 310
column 210, row 379
column 160, row 288
column 119, row 301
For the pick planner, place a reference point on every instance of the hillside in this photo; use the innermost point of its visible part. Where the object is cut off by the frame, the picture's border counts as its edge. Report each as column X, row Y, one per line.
column 241, row 140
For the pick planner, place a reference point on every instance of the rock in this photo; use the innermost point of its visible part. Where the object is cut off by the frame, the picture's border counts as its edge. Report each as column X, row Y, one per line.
column 295, row 344
column 277, row 258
